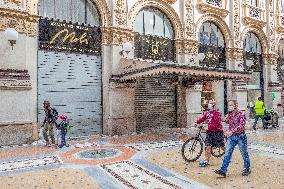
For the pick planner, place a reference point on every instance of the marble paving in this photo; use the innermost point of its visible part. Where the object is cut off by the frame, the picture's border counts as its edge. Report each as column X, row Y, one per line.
column 28, row 163
column 137, row 177
column 144, row 162
column 155, row 145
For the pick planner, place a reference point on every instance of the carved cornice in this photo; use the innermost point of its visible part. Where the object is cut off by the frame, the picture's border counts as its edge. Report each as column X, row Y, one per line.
column 112, row 35
column 14, row 80
column 186, row 46
column 207, row 8
column 235, row 53
column 254, row 22
column 23, row 22
column 170, row 1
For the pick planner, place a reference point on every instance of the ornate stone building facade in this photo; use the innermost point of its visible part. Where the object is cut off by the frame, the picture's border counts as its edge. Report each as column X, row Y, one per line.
column 183, row 53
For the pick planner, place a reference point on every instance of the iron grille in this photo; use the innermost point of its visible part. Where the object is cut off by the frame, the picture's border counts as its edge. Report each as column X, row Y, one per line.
column 154, row 47
column 214, row 56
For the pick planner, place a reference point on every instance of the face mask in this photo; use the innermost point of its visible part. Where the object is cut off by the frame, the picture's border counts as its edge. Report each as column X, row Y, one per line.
column 231, row 108
column 210, row 106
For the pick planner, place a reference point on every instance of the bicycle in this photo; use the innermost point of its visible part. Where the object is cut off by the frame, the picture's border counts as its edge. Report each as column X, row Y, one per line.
column 192, row 145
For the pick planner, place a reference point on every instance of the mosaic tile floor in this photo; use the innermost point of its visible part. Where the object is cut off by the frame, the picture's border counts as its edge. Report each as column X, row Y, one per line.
column 142, row 162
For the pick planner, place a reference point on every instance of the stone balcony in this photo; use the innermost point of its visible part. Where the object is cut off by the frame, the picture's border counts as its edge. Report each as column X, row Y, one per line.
column 253, row 15
column 218, row 7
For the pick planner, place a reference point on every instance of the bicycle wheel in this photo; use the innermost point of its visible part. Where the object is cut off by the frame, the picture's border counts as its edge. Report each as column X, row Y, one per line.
column 218, row 151
column 192, row 149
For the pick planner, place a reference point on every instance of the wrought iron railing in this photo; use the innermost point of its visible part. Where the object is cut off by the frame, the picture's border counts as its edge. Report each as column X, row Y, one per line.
column 215, row 57
column 254, row 12
column 217, row 3
column 253, row 62
column 154, row 48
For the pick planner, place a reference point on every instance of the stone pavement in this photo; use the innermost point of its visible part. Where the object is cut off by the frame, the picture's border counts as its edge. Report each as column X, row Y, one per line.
column 146, row 161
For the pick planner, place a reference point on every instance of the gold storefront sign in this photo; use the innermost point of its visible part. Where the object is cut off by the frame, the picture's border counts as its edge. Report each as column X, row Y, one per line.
column 155, row 49
column 69, row 37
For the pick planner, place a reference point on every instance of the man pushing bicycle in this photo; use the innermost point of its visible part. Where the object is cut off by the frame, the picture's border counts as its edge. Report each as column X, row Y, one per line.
column 214, row 133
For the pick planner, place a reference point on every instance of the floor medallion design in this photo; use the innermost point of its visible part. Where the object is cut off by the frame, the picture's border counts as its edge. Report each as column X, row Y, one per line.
column 98, row 154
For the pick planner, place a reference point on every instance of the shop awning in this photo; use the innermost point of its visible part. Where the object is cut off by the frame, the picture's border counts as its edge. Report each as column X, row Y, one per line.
column 137, row 69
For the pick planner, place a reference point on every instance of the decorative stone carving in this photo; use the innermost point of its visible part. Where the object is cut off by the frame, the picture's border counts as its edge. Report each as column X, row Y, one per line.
column 14, row 80
column 253, row 16
column 205, row 7
column 272, row 27
column 235, row 53
column 186, row 46
column 116, row 35
column 189, row 24
column 17, row 2
column 120, row 12
column 270, row 59
column 170, row 1
column 21, row 21
column 236, row 12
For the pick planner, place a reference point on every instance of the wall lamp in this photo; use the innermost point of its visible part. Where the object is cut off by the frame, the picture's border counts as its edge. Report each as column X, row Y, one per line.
column 11, row 35
column 126, row 48
column 201, row 57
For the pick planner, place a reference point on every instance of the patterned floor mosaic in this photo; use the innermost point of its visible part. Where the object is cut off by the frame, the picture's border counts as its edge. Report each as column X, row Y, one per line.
column 155, row 145
column 137, row 177
column 28, row 163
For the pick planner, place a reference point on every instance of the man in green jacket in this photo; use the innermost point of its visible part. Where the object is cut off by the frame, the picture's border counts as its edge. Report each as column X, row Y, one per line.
column 259, row 113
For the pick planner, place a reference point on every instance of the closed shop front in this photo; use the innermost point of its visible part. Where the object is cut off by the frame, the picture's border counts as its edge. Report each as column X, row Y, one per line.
column 70, row 65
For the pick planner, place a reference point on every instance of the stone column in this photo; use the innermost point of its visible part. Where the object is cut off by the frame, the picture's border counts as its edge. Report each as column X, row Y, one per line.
column 193, row 103
column 121, row 113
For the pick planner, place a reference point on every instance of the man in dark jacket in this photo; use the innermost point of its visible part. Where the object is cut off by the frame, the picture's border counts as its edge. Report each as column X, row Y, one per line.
column 48, row 123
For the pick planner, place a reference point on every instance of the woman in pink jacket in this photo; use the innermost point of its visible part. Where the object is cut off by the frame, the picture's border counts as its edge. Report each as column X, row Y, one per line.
column 214, row 133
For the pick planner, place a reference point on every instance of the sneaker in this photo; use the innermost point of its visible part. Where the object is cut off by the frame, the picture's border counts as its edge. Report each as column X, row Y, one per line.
column 49, row 145
column 246, row 172
column 220, row 173
column 203, row 164
column 254, row 128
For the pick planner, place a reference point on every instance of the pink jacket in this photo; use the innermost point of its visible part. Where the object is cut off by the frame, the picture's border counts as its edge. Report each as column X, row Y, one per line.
column 214, row 120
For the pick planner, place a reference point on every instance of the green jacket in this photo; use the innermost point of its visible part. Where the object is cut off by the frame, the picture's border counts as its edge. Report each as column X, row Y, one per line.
column 259, row 108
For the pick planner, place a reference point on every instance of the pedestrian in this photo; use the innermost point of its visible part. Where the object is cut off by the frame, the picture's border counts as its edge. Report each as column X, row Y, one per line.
column 235, row 136
column 49, row 122
column 214, row 133
column 259, row 113
column 62, row 126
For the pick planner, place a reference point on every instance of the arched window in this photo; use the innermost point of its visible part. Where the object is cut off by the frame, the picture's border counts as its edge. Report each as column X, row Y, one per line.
column 212, row 44
column 81, row 11
column 151, row 21
column 154, row 37
column 254, row 3
column 253, row 61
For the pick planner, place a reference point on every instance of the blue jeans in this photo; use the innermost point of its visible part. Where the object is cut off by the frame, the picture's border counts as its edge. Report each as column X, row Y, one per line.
column 232, row 141
column 63, row 137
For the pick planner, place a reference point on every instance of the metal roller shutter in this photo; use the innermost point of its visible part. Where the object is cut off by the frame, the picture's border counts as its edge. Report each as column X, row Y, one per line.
column 73, row 85
column 155, row 103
